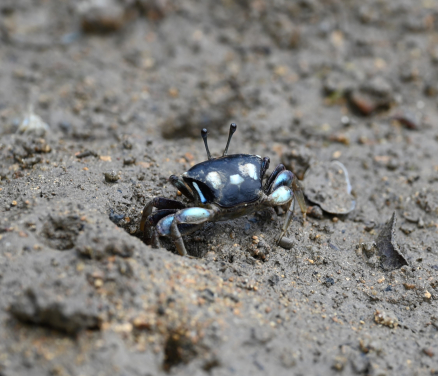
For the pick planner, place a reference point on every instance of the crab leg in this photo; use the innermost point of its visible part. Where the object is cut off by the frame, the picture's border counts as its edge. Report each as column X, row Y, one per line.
column 151, row 221
column 163, row 226
column 286, row 187
column 193, row 216
column 282, row 196
column 299, row 196
column 145, row 226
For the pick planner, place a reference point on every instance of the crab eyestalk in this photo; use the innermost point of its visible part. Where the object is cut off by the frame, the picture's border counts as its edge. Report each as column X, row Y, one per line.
column 204, row 134
column 233, row 128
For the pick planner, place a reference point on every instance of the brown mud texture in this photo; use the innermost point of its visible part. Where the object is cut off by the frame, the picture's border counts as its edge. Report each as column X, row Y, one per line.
column 102, row 100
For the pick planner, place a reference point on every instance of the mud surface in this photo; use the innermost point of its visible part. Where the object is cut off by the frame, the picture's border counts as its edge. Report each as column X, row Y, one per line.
column 121, row 91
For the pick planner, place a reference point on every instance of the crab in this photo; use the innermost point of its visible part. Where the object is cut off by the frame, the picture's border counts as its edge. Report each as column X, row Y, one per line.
column 221, row 189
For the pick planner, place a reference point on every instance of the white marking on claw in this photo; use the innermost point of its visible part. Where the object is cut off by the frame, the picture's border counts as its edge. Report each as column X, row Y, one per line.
column 215, row 179
column 236, row 179
column 249, row 170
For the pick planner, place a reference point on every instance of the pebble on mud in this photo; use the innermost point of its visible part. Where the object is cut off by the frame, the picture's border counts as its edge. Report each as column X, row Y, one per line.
column 101, row 16
column 286, row 243
column 385, row 318
column 128, row 161
column 111, row 176
column 428, row 351
column 369, row 248
column 86, row 153
column 315, row 212
column 370, row 96
column 33, row 125
column 339, row 363
column 408, row 119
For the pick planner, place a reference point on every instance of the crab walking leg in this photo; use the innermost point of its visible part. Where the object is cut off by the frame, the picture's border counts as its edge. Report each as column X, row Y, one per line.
column 151, row 235
column 287, row 221
column 282, row 196
column 284, row 179
column 299, row 196
column 163, row 227
column 195, row 216
column 159, row 203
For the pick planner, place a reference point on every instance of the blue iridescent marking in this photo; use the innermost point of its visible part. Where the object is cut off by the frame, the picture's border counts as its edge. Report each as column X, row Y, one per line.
column 201, row 196
column 284, row 178
column 192, row 215
column 163, row 226
column 282, row 195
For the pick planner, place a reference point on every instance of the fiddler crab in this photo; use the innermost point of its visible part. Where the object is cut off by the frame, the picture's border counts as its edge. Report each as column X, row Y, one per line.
column 220, row 189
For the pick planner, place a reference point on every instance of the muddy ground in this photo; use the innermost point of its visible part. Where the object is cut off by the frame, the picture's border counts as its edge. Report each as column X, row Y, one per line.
column 125, row 88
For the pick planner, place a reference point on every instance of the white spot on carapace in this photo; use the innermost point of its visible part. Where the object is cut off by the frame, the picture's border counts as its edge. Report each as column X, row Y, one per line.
column 236, row 179
column 215, row 179
column 248, row 170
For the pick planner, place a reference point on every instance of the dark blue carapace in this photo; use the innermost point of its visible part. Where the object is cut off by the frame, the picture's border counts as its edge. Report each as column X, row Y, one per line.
column 227, row 181
column 220, row 189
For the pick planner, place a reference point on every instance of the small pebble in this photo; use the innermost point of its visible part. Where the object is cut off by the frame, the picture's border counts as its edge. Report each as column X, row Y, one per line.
column 128, row 161
column 315, row 212
column 111, row 177
column 127, row 145
column 345, row 121
column 286, row 243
